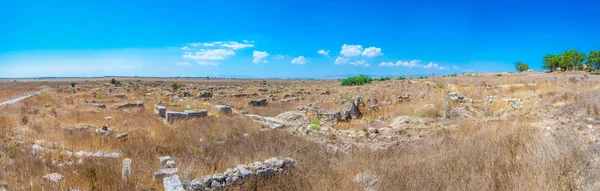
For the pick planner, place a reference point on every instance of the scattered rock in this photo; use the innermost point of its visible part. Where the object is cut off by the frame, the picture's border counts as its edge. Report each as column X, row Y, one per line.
column 131, row 105
column 258, row 103
column 53, row 178
column 224, row 109
column 122, row 136
column 366, row 180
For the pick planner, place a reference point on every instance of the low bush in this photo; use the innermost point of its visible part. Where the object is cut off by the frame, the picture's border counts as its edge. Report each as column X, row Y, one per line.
column 357, row 80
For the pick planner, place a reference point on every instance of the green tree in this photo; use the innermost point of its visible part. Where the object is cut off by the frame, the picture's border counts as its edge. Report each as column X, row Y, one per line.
column 593, row 60
column 521, row 66
column 551, row 62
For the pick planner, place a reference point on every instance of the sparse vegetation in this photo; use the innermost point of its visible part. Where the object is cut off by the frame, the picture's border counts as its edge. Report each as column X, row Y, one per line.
column 480, row 145
column 175, row 86
column 114, row 82
column 401, row 78
column 73, row 84
column 357, row 81
column 521, row 67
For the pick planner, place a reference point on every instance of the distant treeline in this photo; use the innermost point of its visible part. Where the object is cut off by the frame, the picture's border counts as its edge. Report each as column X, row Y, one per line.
column 572, row 60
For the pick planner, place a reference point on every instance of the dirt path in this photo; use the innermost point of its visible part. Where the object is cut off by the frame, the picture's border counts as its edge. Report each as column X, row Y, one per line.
column 22, row 97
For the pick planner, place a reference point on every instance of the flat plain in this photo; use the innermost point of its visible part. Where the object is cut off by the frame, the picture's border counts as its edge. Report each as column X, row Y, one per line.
column 516, row 131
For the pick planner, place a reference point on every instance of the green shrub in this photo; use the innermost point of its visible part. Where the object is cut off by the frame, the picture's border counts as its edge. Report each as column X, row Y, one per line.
column 595, row 73
column 383, row 79
column 468, row 74
column 73, row 84
column 175, row 86
column 315, row 127
column 114, row 81
column 423, row 77
column 453, row 75
column 356, row 81
column 47, row 105
column 401, row 78
column 498, row 74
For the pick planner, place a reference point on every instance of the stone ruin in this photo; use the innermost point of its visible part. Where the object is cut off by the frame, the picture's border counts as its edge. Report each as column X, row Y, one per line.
column 223, row 109
column 131, row 105
column 350, row 111
column 172, row 116
column 185, row 115
column 168, row 175
column 236, row 176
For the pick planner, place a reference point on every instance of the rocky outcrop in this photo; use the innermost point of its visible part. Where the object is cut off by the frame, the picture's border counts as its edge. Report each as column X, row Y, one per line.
column 283, row 120
column 350, row 111
column 237, row 175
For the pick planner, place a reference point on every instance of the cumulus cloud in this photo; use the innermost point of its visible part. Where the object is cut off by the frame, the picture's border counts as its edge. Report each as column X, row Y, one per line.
column 341, row 60
column 206, row 53
column 408, row 64
column 206, row 63
column 258, row 56
column 358, row 63
column 456, row 67
column 183, row 64
column 279, row 56
column 214, row 54
column 367, row 65
column 236, row 45
column 299, row 60
column 372, row 52
column 351, row 50
column 443, row 68
column 431, row 65
column 323, row 52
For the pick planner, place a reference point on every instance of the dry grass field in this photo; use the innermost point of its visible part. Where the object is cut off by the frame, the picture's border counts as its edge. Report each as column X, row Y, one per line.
column 528, row 131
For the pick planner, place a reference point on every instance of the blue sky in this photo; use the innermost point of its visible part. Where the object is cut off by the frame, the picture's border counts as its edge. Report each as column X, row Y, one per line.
column 279, row 38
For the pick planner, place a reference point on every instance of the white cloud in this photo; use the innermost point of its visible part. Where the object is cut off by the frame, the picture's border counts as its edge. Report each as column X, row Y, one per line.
column 236, row 45
column 351, row 50
column 258, row 56
column 341, row 60
column 409, row 64
column 372, row 52
column 265, row 61
column 431, row 65
column 367, row 65
column 183, row 64
column 208, row 44
column 279, row 56
column 185, row 48
column 386, row 64
column 455, row 67
column 443, row 68
column 205, row 63
column 358, row 63
column 299, row 60
column 214, row 54
column 246, row 41
column 323, row 52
